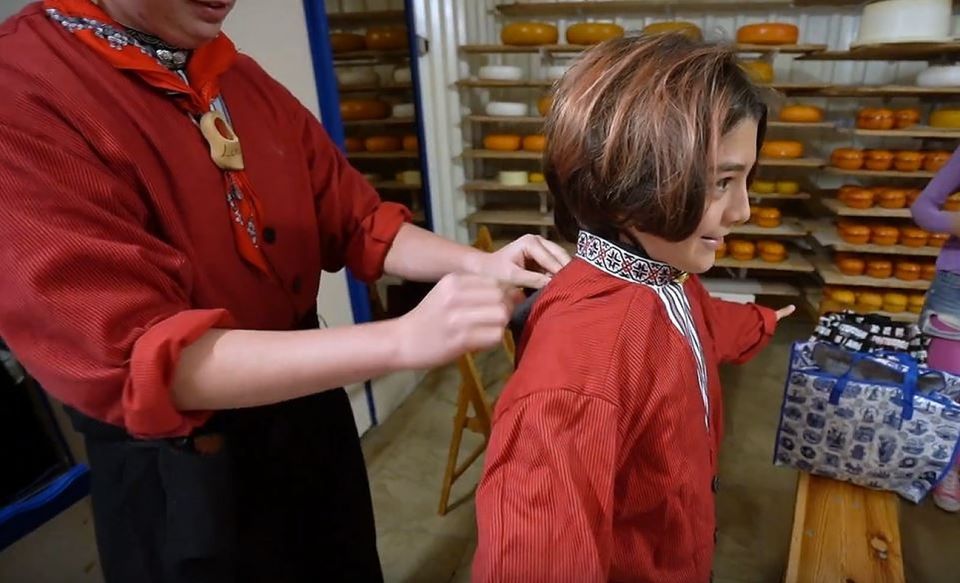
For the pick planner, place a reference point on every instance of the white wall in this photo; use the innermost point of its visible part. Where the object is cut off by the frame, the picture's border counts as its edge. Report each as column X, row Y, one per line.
column 8, row 7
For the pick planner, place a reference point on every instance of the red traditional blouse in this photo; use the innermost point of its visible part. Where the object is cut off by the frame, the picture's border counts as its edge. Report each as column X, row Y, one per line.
column 117, row 245
column 603, row 460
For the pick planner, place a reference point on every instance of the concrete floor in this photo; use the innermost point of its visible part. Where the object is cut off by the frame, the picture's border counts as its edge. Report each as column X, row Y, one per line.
column 407, row 454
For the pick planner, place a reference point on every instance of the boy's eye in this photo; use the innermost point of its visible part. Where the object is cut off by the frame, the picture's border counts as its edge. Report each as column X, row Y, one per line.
column 724, row 183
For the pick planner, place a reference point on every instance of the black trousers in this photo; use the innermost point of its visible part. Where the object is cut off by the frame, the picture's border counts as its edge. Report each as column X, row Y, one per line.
column 276, row 494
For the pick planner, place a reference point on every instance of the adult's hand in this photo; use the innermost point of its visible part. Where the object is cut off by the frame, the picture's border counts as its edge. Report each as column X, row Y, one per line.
column 529, row 261
column 462, row 313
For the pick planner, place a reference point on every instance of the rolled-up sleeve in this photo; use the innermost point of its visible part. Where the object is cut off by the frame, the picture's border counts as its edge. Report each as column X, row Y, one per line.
column 95, row 306
column 357, row 229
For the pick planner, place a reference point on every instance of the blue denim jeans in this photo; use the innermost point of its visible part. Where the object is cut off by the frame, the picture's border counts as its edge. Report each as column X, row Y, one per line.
column 943, row 301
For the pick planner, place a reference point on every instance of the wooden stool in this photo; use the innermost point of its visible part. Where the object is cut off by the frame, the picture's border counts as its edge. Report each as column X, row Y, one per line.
column 471, row 394
column 842, row 533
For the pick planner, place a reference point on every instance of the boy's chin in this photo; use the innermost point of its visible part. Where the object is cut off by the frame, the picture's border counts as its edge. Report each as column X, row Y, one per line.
column 698, row 264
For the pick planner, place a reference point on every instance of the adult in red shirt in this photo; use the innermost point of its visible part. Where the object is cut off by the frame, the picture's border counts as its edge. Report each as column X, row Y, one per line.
column 160, row 279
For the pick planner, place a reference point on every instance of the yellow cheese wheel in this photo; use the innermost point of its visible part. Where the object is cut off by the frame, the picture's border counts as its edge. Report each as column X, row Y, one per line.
column 342, row 42
column 788, row 187
column 535, row 143
column 358, row 109
column 410, row 143
column 945, row 118
column 386, row 38
column 688, row 28
column 502, row 142
column 382, row 144
column 591, row 33
column 353, row 145
column 544, row 104
column 537, row 178
column 759, row 71
column 529, row 34
column 763, row 186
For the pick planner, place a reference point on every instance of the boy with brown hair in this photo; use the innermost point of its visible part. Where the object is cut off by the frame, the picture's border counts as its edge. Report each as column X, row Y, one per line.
column 603, row 460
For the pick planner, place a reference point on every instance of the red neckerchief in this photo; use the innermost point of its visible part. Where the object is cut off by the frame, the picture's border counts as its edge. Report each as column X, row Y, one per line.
column 207, row 63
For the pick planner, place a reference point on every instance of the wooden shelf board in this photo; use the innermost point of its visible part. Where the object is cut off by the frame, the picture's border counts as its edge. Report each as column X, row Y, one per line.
column 494, row 186
column 364, row 17
column 505, row 119
column 389, row 121
column 880, row 173
column 820, row 125
column 526, row 9
column 788, row 228
column 400, row 155
column 832, row 276
column 517, row 217
column 395, row 185
column 792, row 162
column 889, row 52
column 838, row 208
column 913, row 132
column 778, row 196
column 375, row 88
column 364, row 55
column 891, row 91
column 827, row 236
column 490, row 84
column 752, row 287
column 799, row 87
column 480, row 49
column 794, row 262
column 498, row 155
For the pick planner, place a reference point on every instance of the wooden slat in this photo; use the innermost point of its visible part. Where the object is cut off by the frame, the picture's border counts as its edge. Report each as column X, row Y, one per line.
column 792, row 162
column 891, row 91
column 336, row 19
column 838, row 531
column 395, row 185
column 827, row 236
column 379, row 88
column 794, row 262
column 533, row 119
column 778, row 196
column 880, row 173
column 498, row 155
column 788, row 228
column 820, row 125
column 913, row 132
column 754, row 287
column 522, row 84
column 838, row 208
column 480, row 49
column 832, row 276
column 517, row 217
column 888, row 52
column 370, row 55
column 390, row 121
column 494, row 186
column 626, row 6
column 382, row 156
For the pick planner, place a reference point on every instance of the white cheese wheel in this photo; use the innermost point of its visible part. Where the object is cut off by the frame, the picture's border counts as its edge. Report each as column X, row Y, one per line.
column 554, row 72
column 939, row 76
column 500, row 73
column 354, row 77
column 512, row 178
column 404, row 110
column 507, row 108
column 409, row 177
column 402, row 75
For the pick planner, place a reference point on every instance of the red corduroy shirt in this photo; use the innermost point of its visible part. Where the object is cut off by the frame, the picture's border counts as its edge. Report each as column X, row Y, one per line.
column 115, row 240
column 601, row 466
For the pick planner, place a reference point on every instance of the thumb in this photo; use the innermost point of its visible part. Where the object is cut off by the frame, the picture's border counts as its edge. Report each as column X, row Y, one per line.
column 525, row 278
column 784, row 312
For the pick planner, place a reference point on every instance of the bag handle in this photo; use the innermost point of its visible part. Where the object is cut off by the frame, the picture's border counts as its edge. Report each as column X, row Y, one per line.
column 908, row 387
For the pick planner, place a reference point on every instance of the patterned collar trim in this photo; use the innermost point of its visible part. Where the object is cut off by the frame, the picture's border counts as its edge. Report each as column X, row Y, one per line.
column 168, row 56
column 619, row 262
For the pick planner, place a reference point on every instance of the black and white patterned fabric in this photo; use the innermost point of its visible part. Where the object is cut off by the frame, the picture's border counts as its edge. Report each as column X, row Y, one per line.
column 871, row 334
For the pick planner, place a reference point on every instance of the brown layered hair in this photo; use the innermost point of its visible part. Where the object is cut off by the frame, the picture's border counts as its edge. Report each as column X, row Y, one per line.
column 633, row 132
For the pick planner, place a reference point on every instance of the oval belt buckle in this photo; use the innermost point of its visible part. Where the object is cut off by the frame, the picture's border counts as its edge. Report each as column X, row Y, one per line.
column 224, row 144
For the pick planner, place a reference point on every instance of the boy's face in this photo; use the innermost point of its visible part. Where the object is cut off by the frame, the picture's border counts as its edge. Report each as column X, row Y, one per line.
column 727, row 205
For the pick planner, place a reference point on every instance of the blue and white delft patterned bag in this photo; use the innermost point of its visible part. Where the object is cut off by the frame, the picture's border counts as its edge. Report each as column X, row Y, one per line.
column 879, row 421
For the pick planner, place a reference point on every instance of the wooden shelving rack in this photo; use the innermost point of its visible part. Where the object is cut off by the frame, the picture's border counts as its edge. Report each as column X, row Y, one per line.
column 809, row 241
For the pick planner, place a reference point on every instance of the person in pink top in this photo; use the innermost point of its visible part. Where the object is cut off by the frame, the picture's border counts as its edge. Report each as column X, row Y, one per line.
column 940, row 317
